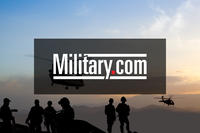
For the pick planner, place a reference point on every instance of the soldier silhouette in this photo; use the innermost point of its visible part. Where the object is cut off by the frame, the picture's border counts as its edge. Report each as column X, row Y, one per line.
column 65, row 117
column 49, row 117
column 35, row 117
column 110, row 113
column 123, row 111
column 6, row 116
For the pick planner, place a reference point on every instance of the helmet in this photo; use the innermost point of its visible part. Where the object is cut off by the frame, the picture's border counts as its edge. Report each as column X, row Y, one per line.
column 123, row 99
column 111, row 100
column 37, row 101
column 6, row 100
column 64, row 100
column 49, row 102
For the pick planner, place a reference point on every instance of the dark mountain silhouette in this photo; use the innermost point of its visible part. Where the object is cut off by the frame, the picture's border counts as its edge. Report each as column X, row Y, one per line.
column 83, row 126
column 157, row 119
column 18, row 128
column 150, row 119
column 77, row 127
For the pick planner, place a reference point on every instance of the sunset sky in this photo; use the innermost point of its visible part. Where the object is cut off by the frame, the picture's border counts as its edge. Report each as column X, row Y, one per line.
column 22, row 21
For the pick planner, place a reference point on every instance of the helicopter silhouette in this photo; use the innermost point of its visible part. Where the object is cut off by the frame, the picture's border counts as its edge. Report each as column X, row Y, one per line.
column 165, row 100
column 67, row 83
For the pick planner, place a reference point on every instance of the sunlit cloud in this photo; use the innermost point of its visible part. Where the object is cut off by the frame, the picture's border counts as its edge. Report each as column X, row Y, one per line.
column 181, row 30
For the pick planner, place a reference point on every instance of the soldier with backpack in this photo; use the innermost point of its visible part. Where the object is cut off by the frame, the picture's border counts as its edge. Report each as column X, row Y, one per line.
column 110, row 113
column 123, row 111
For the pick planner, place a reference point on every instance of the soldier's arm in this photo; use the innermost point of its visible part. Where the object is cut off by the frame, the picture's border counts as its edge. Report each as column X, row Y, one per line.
column 114, row 110
column 0, row 113
column 42, row 111
column 14, row 110
column 117, row 109
column 45, row 112
column 27, row 119
column 73, row 115
column 29, row 116
column 105, row 110
column 128, row 108
column 54, row 110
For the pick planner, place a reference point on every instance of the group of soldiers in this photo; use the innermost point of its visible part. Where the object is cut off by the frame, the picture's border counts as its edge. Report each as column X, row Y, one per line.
column 53, row 120
column 123, row 111
column 58, row 121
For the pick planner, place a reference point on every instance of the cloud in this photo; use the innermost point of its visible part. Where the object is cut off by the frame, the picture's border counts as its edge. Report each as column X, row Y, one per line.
column 159, row 25
column 173, row 26
column 181, row 30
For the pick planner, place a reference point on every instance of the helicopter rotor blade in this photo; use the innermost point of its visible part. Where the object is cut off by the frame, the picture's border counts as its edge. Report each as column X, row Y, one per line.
column 40, row 58
column 157, row 98
column 49, row 60
column 161, row 97
column 175, row 97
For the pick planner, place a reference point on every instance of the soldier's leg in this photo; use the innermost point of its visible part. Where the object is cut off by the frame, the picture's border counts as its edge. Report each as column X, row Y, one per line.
column 48, row 127
column 121, row 126
column 53, row 127
column 32, row 128
column 38, row 128
column 7, row 127
column 110, row 123
column 127, row 125
column 108, row 126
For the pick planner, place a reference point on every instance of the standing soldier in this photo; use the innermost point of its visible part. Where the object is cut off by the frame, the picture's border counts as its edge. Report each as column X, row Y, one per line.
column 110, row 113
column 65, row 118
column 123, row 111
column 6, row 116
column 35, row 118
column 49, row 117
